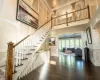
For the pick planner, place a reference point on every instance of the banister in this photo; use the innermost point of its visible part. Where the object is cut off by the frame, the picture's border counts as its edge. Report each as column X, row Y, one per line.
column 21, row 41
column 30, row 34
column 70, row 12
column 77, row 10
column 73, row 16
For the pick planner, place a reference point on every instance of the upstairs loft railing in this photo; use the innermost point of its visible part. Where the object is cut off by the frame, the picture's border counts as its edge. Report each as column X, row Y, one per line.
column 74, row 16
column 18, row 52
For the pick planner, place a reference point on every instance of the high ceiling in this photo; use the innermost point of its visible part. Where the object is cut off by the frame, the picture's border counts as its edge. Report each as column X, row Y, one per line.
column 56, row 3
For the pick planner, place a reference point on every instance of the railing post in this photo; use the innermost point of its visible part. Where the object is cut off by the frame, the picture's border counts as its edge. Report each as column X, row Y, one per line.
column 74, row 16
column 66, row 18
column 51, row 22
column 9, row 62
column 89, row 16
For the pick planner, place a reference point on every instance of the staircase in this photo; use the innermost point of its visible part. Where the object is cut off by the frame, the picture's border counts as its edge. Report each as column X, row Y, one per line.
column 23, row 56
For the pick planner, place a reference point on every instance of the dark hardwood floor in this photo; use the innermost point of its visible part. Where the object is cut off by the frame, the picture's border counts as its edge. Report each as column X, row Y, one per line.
column 66, row 68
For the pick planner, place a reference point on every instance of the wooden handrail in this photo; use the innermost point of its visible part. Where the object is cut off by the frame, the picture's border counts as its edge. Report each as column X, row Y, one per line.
column 73, row 12
column 77, row 10
column 70, row 13
column 30, row 34
column 21, row 41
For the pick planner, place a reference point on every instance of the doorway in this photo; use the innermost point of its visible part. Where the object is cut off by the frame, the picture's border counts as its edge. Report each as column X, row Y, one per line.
column 70, row 44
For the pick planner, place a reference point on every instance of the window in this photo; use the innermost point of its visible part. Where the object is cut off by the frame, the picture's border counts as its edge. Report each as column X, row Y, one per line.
column 63, row 43
column 80, row 43
column 60, row 46
column 77, row 44
column 72, row 43
column 67, row 43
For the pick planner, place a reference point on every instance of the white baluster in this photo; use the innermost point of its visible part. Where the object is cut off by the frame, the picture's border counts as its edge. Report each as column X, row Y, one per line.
column 22, row 50
column 16, row 54
column 19, row 55
column 14, row 60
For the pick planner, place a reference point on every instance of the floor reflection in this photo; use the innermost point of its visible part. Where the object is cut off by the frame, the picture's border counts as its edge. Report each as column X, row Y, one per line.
column 44, row 71
column 65, row 68
column 71, row 63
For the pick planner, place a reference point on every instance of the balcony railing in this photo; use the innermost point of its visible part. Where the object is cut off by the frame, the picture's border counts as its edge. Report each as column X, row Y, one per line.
column 74, row 16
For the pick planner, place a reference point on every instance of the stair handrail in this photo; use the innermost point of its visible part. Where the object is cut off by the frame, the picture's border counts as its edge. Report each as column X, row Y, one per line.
column 10, row 55
column 31, row 34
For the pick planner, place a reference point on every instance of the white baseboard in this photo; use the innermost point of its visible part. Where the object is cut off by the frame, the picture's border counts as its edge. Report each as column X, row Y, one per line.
column 92, row 61
column 97, row 64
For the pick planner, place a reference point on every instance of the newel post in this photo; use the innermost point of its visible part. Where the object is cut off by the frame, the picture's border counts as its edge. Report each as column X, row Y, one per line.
column 9, row 62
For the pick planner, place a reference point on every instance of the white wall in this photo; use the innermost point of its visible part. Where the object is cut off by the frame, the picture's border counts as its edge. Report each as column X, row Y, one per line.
column 10, row 28
column 95, row 47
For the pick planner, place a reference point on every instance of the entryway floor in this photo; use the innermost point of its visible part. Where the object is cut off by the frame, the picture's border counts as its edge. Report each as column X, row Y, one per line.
column 65, row 68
